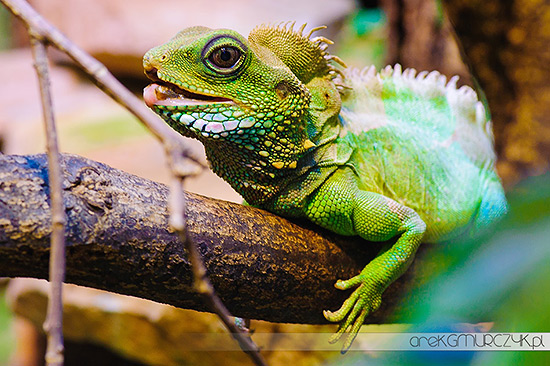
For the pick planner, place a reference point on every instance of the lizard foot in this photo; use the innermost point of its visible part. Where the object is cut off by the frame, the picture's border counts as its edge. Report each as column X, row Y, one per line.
column 363, row 301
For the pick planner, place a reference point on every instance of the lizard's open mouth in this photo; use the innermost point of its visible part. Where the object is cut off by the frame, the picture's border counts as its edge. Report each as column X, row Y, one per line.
column 164, row 93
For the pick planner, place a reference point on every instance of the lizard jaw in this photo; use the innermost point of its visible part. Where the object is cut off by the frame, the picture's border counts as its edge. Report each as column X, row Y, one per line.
column 171, row 95
column 165, row 93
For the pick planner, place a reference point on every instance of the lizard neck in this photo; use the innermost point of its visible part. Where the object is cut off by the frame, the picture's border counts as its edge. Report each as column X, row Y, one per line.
column 263, row 162
column 260, row 170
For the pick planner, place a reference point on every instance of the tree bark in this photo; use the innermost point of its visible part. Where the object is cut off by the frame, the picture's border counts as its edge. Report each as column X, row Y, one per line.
column 261, row 265
column 508, row 47
column 421, row 36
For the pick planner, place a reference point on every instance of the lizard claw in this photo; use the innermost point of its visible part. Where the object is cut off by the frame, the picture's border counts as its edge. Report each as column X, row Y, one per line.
column 340, row 314
column 363, row 301
column 352, row 282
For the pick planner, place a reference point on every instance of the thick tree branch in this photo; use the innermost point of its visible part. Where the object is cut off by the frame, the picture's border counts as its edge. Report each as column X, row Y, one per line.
column 118, row 239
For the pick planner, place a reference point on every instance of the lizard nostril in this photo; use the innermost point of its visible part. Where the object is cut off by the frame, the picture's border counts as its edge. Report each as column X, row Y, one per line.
column 151, row 72
column 150, row 64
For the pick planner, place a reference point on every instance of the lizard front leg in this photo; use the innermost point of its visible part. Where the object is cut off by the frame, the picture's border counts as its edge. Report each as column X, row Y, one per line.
column 340, row 206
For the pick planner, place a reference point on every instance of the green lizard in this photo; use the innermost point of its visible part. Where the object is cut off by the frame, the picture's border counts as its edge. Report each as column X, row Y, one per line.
column 380, row 155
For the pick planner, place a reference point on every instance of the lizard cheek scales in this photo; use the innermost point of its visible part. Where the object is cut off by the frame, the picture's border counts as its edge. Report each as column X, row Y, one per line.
column 353, row 152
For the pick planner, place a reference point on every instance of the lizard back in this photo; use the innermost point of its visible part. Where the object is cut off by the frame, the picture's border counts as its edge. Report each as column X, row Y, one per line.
column 423, row 142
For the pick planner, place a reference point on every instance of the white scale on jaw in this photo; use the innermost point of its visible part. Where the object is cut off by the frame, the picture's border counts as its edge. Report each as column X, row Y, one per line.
column 157, row 95
column 192, row 120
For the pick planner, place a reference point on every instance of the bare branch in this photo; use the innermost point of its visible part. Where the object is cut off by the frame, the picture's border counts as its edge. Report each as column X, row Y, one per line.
column 53, row 325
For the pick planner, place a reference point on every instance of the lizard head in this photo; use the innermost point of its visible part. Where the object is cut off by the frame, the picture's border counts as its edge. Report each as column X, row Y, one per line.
column 246, row 100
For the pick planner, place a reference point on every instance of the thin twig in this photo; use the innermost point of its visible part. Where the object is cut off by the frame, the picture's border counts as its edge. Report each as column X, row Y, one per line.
column 201, row 282
column 54, row 318
column 175, row 150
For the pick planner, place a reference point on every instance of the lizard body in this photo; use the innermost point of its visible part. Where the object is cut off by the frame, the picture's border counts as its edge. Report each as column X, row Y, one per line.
column 380, row 155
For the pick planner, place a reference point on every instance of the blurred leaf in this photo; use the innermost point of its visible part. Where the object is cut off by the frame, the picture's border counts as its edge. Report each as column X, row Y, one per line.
column 7, row 339
column 5, row 28
column 501, row 277
column 362, row 40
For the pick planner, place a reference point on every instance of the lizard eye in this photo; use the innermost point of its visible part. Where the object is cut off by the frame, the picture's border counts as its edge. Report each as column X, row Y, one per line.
column 225, row 57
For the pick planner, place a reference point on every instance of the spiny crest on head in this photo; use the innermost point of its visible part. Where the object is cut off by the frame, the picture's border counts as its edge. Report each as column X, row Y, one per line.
column 306, row 57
